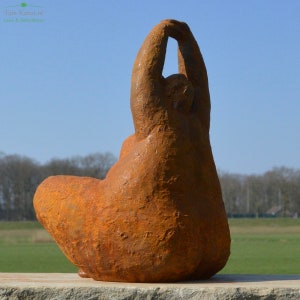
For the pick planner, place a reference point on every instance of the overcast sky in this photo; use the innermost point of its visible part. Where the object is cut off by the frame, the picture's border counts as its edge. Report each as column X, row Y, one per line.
column 66, row 69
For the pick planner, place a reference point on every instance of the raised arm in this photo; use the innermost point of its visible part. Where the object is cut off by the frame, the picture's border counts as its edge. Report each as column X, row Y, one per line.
column 191, row 64
column 146, row 83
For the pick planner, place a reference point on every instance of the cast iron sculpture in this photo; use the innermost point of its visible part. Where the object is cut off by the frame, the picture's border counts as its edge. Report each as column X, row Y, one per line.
column 158, row 216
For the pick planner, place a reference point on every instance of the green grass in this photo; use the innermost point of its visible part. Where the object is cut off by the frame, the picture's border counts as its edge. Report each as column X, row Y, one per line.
column 27, row 247
column 19, row 225
column 270, row 222
column 264, row 246
column 264, row 254
column 37, row 258
column 259, row 246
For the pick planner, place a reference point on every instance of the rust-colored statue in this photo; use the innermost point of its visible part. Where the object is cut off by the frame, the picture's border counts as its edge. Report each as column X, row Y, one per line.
column 158, row 216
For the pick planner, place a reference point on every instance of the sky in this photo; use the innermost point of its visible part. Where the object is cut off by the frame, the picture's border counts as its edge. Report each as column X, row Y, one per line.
column 66, row 69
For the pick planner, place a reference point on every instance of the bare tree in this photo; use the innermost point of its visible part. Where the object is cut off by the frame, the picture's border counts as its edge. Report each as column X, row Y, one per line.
column 20, row 176
column 256, row 195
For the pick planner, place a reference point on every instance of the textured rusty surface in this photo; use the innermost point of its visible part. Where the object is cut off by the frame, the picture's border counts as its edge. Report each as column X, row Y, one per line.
column 158, row 216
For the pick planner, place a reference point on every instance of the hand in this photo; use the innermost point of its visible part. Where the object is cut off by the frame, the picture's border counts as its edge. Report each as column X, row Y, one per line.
column 180, row 31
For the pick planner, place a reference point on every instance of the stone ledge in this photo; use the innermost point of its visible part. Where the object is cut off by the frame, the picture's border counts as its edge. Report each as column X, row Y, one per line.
column 69, row 286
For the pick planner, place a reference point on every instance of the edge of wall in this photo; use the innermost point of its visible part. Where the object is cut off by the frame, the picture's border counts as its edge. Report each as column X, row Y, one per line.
column 70, row 286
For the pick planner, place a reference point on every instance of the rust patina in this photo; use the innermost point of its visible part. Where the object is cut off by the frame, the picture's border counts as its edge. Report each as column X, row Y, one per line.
column 158, row 216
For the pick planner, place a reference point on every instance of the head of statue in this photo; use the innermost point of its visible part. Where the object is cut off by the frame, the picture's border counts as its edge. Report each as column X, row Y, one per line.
column 179, row 92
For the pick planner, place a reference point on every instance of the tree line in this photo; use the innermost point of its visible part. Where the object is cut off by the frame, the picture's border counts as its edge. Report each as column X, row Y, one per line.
column 274, row 193
column 20, row 176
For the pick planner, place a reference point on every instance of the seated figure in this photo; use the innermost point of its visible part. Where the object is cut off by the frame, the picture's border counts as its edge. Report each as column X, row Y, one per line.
column 158, row 216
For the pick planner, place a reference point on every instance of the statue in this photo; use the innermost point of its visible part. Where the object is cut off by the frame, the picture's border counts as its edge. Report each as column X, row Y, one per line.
column 158, row 216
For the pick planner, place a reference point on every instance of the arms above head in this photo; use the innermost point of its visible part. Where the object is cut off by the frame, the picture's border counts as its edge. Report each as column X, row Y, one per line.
column 147, row 80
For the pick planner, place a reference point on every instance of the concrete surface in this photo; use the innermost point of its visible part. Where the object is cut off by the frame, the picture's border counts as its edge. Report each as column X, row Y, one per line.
column 70, row 286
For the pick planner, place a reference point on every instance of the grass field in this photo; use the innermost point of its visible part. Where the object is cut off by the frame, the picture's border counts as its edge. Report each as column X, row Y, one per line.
column 259, row 246
column 264, row 246
column 27, row 247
